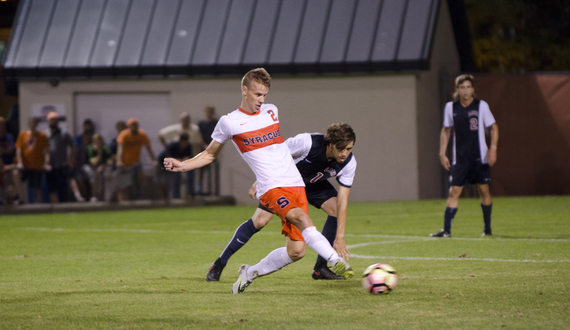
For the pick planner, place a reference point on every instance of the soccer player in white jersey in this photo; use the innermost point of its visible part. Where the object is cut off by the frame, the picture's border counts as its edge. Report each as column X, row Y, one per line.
column 319, row 157
column 472, row 159
column 254, row 131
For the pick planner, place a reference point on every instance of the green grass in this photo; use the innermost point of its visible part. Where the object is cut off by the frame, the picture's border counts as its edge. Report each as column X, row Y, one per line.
column 146, row 269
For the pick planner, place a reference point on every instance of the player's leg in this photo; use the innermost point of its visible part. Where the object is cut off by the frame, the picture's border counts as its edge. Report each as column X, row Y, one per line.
column 450, row 211
column 300, row 219
column 277, row 259
column 321, row 271
column 486, row 206
column 274, row 261
column 458, row 177
column 483, row 177
column 291, row 205
column 241, row 236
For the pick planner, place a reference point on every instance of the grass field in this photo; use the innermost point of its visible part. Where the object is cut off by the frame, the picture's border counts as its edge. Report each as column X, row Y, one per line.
column 146, row 270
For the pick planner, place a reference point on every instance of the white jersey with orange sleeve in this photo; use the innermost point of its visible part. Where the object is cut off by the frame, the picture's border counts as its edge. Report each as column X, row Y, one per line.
column 257, row 138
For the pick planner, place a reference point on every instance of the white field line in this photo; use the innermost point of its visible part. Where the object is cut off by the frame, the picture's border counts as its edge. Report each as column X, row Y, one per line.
column 456, row 259
column 422, row 238
column 402, row 239
column 414, row 238
column 381, row 242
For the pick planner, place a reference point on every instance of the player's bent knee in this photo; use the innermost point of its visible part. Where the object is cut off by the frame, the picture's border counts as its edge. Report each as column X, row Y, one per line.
column 296, row 249
column 296, row 254
column 261, row 218
column 455, row 191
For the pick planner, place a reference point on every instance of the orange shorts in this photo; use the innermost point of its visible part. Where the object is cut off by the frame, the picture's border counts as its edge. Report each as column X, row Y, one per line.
column 280, row 201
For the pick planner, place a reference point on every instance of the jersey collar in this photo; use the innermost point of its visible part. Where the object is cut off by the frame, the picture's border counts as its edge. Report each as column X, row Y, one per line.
column 249, row 113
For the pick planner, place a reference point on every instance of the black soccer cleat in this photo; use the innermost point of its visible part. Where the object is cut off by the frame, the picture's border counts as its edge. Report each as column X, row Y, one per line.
column 324, row 273
column 441, row 233
column 487, row 233
column 214, row 273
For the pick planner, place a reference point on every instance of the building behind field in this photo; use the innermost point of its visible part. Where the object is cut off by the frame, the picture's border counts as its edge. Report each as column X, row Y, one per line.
column 381, row 66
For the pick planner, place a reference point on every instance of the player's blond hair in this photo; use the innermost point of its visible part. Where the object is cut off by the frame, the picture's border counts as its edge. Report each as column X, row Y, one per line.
column 460, row 80
column 259, row 75
column 340, row 135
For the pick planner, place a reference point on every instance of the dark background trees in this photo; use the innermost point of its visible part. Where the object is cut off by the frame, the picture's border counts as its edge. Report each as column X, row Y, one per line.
column 520, row 35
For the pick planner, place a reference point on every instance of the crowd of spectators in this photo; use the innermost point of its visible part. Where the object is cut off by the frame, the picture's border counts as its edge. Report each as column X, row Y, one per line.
column 54, row 167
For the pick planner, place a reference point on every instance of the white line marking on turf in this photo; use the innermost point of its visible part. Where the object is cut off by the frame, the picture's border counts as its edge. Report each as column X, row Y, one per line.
column 382, row 242
column 403, row 239
column 462, row 238
column 455, row 259
column 418, row 238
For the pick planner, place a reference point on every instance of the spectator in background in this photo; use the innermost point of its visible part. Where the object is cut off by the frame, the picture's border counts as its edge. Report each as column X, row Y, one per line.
column 99, row 156
column 82, row 174
column 180, row 150
column 7, row 149
column 7, row 153
column 60, row 161
column 171, row 134
column 32, row 154
column 13, row 120
column 119, row 126
column 206, row 129
column 130, row 142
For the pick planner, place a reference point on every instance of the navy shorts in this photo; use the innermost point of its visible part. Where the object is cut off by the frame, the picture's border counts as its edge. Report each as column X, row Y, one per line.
column 34, row 178
column 473, row 173
column 317, row 194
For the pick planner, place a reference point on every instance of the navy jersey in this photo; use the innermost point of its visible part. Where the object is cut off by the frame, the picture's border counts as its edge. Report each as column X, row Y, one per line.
column 469, row 130
column 309, row 152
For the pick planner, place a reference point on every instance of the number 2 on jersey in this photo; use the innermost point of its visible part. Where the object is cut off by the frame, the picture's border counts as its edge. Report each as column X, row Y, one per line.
column 272, row 115
column 473, row 124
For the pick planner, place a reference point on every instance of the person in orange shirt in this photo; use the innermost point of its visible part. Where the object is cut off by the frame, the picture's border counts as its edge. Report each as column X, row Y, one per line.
column 129, row 144
column 32, row 154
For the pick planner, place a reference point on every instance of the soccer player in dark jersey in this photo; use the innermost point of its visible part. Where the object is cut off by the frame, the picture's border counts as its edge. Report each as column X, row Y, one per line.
column 472, row 159
column 318, row 158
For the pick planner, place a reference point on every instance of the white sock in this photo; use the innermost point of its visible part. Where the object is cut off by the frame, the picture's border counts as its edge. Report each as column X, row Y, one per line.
column 274, row 261
column 319, row 243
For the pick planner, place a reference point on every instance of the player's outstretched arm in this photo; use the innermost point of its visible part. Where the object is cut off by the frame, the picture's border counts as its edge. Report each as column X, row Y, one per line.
column 444, row 139
column 342, row 206
column 200, row 160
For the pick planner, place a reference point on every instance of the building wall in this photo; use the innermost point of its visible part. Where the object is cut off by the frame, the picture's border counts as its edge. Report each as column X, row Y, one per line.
column 380, row 108
column 397, row 117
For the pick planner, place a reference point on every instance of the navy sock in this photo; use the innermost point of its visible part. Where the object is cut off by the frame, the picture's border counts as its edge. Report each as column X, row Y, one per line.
column 329, row 232
column 487, row 216
column 448, row 218
column 242, row 234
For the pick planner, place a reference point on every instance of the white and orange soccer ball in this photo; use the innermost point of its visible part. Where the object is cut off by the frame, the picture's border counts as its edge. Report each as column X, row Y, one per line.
column 379, row 278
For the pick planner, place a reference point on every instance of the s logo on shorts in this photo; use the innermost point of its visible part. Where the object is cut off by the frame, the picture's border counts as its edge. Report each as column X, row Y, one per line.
column 283, row 202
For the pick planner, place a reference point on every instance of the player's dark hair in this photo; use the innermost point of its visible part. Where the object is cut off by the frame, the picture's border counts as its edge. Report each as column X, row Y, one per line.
column 259, row 75
column 460, row 80
column 340, row 135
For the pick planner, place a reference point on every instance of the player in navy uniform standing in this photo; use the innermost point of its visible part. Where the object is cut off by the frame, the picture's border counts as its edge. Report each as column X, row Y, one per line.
column 471, row 157
column 318, row 158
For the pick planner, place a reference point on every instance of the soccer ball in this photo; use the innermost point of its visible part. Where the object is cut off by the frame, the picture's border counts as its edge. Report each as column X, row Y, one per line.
column 379, row 278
